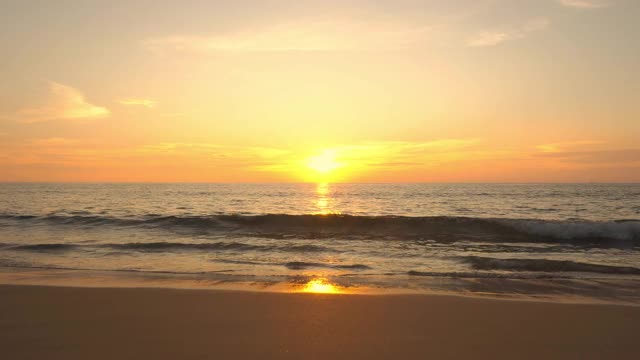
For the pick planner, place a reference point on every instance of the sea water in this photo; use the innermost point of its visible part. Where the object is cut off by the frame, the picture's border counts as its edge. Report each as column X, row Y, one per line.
column 542, row 240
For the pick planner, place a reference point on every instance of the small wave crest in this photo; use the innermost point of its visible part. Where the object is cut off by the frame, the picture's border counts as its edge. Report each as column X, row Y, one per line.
column 44, row 247
column 174, row 246
column 622, row 230
column 480, row 275
column 169, row 246
column 301, row 265
column 545, row 265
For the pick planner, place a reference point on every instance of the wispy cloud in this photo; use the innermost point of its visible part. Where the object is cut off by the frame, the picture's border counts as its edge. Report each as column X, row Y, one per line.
column 138, row 102
column 58, row 150
column 298, row 36
column 230, row 156
column 64, row 103
column 587, row 153
column 378, row 155
column 54, row 142
column 283, row 163
column 567, row 145
column 585, row 4
column 495, row 37
column 489, row 38
column 597, row 157
column 436, row 160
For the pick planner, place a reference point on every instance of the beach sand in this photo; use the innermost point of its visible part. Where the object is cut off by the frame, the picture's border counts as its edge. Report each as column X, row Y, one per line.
column 119, row 323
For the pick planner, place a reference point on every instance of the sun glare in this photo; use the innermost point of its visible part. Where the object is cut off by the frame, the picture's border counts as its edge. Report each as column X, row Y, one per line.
column 324, row 163
column 320, row 286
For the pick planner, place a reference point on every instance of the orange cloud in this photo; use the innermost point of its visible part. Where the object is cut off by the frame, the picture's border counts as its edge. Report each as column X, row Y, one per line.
column 495, row 37
column 65, row 159
column 585, row 4
column 567, row 145
column 64, row 103
column 327, row 35
column 139, row 102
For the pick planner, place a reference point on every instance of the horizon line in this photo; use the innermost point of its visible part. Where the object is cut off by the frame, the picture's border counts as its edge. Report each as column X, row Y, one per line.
column 325, row 182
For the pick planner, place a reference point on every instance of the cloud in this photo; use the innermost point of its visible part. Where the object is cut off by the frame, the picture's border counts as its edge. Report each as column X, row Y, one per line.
column 585, row 4
column 230, row 156
column 495, row 37
column 585, row 153
column 598, row 157
column 567, row 145
column 138, row 102
column 298, row 36
column 64, row 103
column 489, row 38
column 369, row 155
column 90, row 159
column 406, row 154
column 53, row 142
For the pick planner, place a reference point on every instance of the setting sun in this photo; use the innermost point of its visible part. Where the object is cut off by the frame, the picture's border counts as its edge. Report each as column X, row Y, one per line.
column 324, row 163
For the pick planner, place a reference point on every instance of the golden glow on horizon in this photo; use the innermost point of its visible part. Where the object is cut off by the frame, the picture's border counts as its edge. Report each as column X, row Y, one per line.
column 320, row 286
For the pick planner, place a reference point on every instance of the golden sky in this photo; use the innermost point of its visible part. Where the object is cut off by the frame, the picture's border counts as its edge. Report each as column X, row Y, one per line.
column 349, row 91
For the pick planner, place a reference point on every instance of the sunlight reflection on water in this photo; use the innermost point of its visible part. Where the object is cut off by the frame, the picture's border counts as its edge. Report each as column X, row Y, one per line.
column 323, row 200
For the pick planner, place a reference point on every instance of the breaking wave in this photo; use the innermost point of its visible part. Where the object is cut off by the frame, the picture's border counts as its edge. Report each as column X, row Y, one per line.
column 440, row 228
column 173, row 246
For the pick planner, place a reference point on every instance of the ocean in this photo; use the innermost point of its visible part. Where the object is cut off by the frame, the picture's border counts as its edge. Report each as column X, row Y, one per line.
column 543, row 241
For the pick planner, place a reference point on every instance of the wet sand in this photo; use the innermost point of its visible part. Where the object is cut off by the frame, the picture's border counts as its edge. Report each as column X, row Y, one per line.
column 104, row 323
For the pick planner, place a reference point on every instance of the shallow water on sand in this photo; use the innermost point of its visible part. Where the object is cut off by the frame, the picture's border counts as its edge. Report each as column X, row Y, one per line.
column 535, row 239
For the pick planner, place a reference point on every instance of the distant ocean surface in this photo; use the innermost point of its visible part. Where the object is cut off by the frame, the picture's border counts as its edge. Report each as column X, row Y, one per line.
column 577, row 240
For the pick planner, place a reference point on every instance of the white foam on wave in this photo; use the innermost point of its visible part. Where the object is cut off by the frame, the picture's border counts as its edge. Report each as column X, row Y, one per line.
column 569, row 230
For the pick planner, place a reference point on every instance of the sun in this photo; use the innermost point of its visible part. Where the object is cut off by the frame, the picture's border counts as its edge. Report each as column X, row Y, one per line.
column 324, row 163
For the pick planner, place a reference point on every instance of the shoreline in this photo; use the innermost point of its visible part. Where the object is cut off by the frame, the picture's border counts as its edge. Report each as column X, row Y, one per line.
column 133, row 323
column 528, row 290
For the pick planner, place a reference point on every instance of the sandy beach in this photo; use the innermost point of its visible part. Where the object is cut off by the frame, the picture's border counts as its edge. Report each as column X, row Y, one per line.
column 108, row 323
